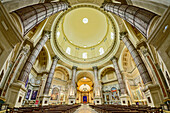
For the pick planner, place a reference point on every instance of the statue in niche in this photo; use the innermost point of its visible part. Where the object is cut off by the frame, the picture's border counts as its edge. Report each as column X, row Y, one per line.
column 114, row 92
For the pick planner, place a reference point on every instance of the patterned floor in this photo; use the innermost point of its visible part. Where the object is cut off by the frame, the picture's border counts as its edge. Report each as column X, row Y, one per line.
column 84, row 108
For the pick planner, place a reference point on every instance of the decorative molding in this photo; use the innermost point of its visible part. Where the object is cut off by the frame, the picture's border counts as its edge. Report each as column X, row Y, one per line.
column 1, row 49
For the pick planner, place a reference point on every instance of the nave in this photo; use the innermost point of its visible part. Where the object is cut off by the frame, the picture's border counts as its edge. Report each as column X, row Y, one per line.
column 84, row 56
column 86, row 108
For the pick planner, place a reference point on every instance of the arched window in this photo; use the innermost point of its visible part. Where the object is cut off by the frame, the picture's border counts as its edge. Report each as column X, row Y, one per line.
column 101, row 50
column 68, row 50
column 84, row 55
column 58, row 34
column 112, row 35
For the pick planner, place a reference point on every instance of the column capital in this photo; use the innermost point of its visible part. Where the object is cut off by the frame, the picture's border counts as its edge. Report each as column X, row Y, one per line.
column 48, row 33
column 113, row 58
column 26, row 48
column 74, row 67
column 56, row 57
column 123, row 34
column 95, row 67
column 141, row 44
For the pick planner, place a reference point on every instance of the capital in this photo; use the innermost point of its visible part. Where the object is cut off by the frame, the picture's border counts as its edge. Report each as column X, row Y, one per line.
column 113, row 58
column 95, row 67
column 74, row 67
column 123, row 34
column 141, row 44
column 56, row 57
column 48, row 33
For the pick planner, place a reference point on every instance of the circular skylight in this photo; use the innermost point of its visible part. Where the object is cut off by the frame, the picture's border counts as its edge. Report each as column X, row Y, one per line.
column 85, row 20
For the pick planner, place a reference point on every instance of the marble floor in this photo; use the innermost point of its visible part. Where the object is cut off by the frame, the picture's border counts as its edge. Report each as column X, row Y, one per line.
column 85, row 108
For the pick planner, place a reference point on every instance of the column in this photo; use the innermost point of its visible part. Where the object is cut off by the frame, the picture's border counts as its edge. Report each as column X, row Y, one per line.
column 74, row 70
column 124, row 97
column 119, row 76
column 140, row 18
column 73, row 88
column 30, row 16
column 44, row 99
column 97, row 87
column 137, row 59
column 32, row 57
column 50, row 76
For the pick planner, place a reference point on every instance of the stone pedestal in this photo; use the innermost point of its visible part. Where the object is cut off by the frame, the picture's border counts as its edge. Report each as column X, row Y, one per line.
column 125, row 100
column 44, row 100
column 71, row 100
column 153, row 95
column 16, row 94
column 98, row 101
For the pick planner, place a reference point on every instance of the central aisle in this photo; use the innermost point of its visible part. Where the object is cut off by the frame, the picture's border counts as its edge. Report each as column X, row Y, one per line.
column 85, row 109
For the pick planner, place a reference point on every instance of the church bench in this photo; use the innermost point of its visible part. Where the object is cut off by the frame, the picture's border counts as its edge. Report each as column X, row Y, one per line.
column 47, row 109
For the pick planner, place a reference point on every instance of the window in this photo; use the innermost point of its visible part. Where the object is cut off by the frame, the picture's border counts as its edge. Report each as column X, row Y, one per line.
column 58, row 34
column 112, row 35
column 84, row 55
column 20, row 98
column 101, row 50
column 68, row 50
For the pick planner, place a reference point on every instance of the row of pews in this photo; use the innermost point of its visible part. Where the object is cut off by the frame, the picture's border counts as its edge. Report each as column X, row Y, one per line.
column 46, row 109
column 125, row 109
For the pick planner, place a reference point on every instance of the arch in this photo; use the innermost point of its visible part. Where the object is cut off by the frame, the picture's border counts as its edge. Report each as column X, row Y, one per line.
column 127, row 61
column 85, row 74
column 109, row 72
column 61, row 73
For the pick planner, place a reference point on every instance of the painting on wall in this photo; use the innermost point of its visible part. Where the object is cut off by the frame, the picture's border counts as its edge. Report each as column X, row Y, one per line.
column 28, row 94
column 137, row 95
column 114, row 92
column 61, row 97
column 34, row 94
column 55, row 93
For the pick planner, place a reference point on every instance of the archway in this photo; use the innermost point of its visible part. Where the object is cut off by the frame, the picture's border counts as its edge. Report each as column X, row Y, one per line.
column 84, row 88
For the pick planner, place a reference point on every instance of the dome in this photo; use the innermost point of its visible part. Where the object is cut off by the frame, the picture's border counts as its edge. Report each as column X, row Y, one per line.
column 85, row 27
column 84, row 35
